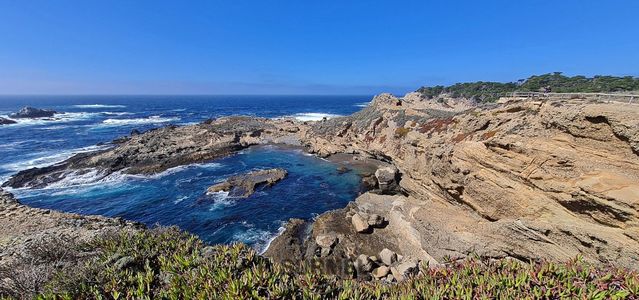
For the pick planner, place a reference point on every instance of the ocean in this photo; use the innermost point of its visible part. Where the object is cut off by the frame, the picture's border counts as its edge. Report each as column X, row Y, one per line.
column 177, row 196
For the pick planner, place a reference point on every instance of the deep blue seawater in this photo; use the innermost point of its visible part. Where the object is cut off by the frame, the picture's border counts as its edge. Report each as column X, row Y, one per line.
column 177, row 196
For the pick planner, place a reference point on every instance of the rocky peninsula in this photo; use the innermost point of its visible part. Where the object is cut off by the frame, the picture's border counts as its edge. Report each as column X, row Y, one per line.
column 524, row 179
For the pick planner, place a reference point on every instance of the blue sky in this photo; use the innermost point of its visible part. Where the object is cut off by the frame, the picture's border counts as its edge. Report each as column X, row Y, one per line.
column 305, row 47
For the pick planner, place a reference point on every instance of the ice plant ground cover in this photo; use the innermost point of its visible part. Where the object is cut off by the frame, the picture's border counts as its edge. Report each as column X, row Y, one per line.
column 166, row 263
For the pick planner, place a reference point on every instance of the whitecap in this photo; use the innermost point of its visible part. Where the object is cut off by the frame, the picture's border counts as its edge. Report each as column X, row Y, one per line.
column 209, row 165
column 363, row 104
column 137, row 121
column 313, row 116
column 50, row 158
column 79, row 178
column 57, row 118
column 272, row 238
column 115, row 113
column 12, row 144
column 180, row 199
column 258, row 237
column 99, row 106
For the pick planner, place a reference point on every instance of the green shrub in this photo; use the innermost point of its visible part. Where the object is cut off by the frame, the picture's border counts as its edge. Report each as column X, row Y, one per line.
column 170, row 264
column 556, row 82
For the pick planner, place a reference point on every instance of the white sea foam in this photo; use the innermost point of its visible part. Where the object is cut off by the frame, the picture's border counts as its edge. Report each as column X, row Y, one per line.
column 272, row 238
column 136, row 121
column 93, row 177
column 57, row 118
column 313, row 116
column 221, row 200
column 50, row 158
column 115, row 113
column 79, row 178
column 180, row 199
column 12, row 144
column 363, row 104
column 99, row 106
column 258, row 237
column 210, row 165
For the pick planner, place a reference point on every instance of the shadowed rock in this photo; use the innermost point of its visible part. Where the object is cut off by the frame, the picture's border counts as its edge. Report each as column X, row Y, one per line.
column 32, row 112
column 4, row 121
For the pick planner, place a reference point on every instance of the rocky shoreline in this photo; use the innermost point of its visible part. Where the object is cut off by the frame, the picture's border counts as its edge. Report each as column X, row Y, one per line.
column 22, row 226
column 527, row 180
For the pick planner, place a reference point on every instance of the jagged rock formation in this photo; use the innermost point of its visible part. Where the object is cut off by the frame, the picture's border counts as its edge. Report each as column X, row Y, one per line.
column 32, row 113
column 244, row 185
column 5, row 121
column 529, row 180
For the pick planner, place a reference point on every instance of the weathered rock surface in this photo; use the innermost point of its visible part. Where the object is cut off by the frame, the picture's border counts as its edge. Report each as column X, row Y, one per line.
column 534, row 180
column 360, row 223
column 289, row 246
column 388, row 257
column 21, row 226
column 387, row 179
column 32, row 112
column 405, row 269
column 244, row 185
column 5, row 121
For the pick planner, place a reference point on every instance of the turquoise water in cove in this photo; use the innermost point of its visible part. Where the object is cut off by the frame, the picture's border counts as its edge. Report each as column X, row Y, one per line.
column 177, row 196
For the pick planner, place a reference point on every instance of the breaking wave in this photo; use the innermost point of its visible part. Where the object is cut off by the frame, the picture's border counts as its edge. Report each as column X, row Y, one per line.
column 50, row 158
column 313, row 116
column 98, row 106
column 149, row 120
column 57, row 118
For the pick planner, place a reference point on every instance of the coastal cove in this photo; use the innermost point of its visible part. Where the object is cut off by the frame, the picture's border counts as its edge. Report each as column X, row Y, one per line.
column 177, row 196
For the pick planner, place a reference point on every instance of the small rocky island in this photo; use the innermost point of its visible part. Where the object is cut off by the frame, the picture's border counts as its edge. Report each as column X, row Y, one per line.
column 27, row 112
column 32, row 113
column 243, row 186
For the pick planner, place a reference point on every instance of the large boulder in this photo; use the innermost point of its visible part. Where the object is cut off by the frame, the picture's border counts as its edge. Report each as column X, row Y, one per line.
column 32, row 112
column 360, row 223
column 380, row 272
column 5, row 121
column 405, row 269
column 363, row 264
column 387, row 179
column 326, row 240
column 242, row 186
column 388, row 257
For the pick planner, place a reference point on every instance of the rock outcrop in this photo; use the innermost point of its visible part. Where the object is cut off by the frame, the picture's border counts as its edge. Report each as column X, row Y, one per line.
column 32, row 113
column 243, row 186
column 158, row 150
column 21, row 226
column 5, row 121
column 548, row 179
